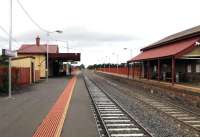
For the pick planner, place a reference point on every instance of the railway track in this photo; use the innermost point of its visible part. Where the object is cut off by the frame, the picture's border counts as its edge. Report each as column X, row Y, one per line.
column 180, row 114
column 112, row 119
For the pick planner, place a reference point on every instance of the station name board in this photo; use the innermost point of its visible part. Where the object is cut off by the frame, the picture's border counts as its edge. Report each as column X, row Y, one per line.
column 9, row 53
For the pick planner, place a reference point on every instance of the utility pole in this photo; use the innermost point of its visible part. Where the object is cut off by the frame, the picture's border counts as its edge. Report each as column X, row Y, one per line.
column 10, row 48
column 47, row 67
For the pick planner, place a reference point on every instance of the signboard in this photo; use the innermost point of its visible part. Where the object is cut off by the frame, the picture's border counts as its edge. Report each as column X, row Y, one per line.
column 9, row 53
column 74, row 62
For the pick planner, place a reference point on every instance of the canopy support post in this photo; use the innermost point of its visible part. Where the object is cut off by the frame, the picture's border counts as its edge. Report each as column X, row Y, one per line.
column 158, row 69
column 173, row 70
column 128, row 69
column 140, row 73
column 148, row 70
column 133, row 70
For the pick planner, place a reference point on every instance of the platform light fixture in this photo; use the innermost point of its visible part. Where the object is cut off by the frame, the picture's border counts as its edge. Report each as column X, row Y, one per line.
column 47, row 66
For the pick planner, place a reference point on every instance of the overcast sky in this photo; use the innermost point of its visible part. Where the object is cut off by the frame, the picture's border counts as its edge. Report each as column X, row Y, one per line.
column 99, row 28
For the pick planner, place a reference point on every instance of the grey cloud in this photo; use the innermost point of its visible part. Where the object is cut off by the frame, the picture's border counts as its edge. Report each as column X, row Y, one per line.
column 82, row 34
column 76, row 34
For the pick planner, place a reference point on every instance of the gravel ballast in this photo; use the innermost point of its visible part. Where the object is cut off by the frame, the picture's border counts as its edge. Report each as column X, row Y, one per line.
column 159, row 124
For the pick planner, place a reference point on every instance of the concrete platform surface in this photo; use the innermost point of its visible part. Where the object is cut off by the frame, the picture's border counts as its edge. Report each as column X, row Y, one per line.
column 20, row 116
column 79, row 121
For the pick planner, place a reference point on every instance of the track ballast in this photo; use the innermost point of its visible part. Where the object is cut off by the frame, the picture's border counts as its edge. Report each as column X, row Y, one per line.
column 113, row 119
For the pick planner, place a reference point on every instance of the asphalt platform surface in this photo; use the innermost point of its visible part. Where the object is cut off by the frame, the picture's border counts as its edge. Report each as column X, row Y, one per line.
column 79, row 121
column 21, row 115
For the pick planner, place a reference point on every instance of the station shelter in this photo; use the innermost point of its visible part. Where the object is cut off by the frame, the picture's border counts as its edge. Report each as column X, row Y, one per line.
column 175, row 58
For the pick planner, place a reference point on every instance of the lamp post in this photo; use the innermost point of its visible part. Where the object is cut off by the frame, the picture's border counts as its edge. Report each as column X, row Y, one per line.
column 129, row 50
column 47, row 64
column 117, row 55
column 67, row 44
column 105, row 63
column 109, row 63
column 130, row 58
column 10, row 48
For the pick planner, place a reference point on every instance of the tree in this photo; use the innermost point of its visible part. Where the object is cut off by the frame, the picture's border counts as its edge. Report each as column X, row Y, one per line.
column 82, row 66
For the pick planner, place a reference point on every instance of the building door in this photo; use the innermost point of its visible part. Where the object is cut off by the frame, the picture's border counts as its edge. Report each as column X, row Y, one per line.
column 32, row 72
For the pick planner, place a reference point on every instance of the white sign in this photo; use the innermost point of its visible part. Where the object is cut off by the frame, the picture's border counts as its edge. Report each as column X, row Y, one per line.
column 74, row 62
column 9, row 53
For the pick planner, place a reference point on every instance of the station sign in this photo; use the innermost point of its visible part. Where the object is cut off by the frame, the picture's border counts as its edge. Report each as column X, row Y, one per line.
column 74, row 62
column 9, row 53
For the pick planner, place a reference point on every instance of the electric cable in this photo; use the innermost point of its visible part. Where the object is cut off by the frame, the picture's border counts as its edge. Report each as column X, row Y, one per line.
column 4, row 30
column 29, row 16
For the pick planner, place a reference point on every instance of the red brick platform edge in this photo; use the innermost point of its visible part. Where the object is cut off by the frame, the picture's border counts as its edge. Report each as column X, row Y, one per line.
column 52, row 124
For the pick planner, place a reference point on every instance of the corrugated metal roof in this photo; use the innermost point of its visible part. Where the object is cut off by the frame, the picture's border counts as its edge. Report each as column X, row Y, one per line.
column 195, row 31
column 165, row 51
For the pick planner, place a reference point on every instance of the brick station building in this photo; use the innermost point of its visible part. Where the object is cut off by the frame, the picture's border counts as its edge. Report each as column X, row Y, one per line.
column 175, row 58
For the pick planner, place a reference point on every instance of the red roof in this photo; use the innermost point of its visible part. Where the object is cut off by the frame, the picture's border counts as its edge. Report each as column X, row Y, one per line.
column 34, row 49
column 167, row 50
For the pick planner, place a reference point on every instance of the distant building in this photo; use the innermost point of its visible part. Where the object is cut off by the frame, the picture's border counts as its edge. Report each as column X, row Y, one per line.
column 175, row 58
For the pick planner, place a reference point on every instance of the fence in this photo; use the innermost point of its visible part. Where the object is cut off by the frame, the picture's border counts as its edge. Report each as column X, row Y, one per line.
column 136, row 72
column 20, row 76
column 119, row 70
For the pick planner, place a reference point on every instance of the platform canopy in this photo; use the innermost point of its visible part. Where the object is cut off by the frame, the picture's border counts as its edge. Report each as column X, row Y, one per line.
column 175, row 49
column 66, row 57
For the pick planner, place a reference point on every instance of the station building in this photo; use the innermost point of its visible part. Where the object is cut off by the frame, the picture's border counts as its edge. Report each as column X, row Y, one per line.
column 175, row 59
column 34, row 56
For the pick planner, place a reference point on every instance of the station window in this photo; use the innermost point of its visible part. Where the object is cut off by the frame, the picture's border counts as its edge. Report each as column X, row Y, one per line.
column 189, row 68
column 198, row 68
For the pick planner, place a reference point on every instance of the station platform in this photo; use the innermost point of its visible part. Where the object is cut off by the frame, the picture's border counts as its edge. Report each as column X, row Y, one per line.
column 23, row 113
column 180, row 86
column 79, row 120
column 182, row 94
column 59, row 107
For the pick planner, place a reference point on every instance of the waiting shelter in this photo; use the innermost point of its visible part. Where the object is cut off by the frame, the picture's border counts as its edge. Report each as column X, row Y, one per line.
column 175, row 58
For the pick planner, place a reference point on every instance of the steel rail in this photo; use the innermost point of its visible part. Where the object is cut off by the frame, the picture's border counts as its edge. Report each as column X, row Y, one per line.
column 146, row 132
column 97, row 111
